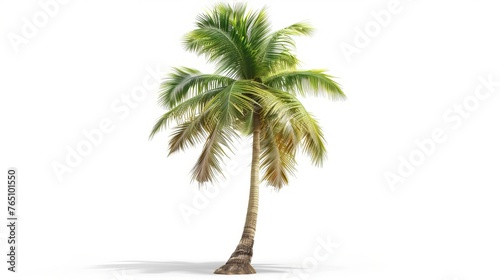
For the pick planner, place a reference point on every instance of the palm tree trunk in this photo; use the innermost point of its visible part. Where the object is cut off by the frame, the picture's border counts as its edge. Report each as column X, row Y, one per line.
column 239, row 262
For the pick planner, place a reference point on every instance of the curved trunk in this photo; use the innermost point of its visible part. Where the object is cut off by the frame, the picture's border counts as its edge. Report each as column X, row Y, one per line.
column 239, row 262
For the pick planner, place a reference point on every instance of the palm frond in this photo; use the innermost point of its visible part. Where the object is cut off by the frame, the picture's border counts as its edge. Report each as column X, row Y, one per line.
column 188, row 134
column 228, row 35
column 185, row 110
column 286, row 106
column 185, row 82
column 276, row 52
column 278, row 147
column 223, row 111
column 208, row 165
column 244, row 125
column 232, row 103
column 220, row 48
column 304, row 82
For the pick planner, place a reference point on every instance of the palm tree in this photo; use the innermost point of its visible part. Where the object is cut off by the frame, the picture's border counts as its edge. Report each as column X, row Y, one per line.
column 254, row 92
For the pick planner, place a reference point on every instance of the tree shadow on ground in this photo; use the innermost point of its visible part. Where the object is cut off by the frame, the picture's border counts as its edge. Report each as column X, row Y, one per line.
column 158, row 267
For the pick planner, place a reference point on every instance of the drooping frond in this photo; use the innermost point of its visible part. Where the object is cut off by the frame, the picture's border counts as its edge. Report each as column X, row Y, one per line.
column 278, row 146
column 185, row 110
column 188, row 134
column 313, row 141
column 208, row 165
column 305, row 82
column 287, row 107
column 223, row 112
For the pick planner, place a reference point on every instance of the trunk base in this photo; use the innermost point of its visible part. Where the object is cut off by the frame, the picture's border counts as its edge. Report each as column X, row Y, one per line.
column 235, row 268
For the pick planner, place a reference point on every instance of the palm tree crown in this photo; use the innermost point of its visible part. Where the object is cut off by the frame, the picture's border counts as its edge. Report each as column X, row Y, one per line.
column 256, row 76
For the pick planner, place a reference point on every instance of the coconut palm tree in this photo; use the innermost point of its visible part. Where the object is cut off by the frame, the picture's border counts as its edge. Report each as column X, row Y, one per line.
column 253, row 93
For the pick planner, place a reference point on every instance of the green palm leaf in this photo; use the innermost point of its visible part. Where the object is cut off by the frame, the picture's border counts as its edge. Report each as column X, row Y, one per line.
column 186, row 110
column 229, row 36
column 304, row 82
column 187, row 134
column 185, row 82
column 276, row 53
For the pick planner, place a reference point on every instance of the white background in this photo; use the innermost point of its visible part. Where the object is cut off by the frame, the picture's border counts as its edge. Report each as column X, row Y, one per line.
column 121, row 203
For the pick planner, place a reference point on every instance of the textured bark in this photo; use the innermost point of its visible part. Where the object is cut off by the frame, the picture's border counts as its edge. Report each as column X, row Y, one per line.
column 239, row 262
